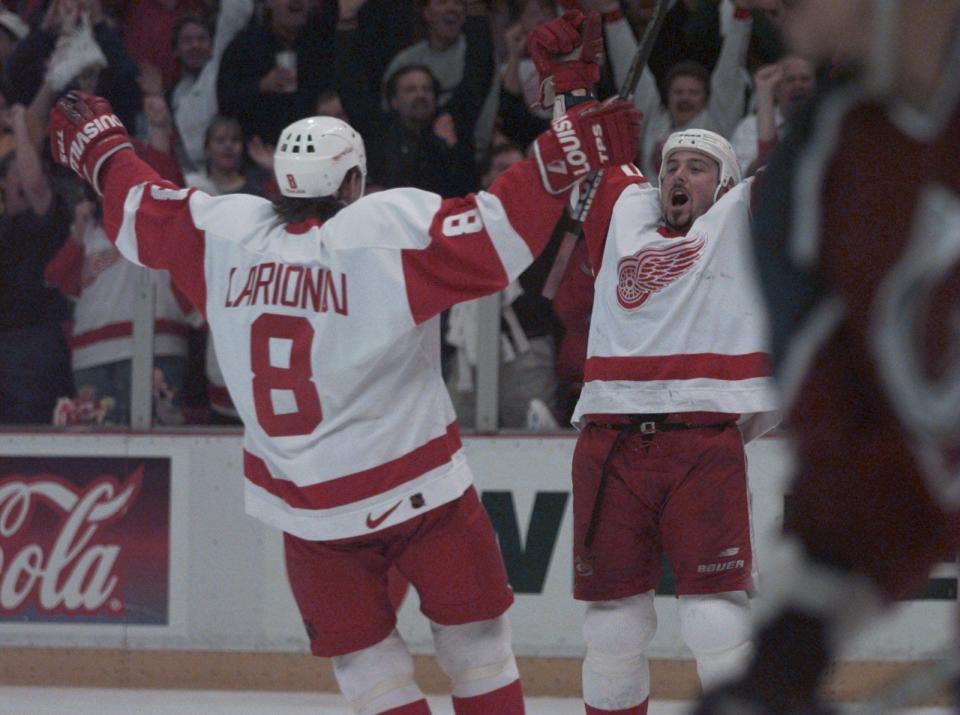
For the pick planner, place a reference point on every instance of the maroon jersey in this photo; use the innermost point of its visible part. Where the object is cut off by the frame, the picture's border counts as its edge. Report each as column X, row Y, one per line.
column 858, row 239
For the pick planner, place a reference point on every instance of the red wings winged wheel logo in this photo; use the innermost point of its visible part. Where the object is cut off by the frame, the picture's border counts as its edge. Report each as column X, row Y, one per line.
column 653, row 269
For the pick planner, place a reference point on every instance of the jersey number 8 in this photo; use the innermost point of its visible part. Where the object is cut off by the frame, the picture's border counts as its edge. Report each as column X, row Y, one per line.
column 296, row 377
column 459, row 224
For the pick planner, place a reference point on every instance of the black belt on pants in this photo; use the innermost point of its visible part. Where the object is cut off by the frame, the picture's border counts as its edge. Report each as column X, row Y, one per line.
column 653, row 423
column 646, row 424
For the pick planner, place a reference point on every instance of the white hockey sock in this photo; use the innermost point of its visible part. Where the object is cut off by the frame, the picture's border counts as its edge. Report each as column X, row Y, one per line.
column 379, row 678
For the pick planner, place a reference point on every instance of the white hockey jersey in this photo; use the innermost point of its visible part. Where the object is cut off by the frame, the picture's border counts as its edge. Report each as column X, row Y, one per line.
column 678, row 323
column 103, row 316
column 328, row 336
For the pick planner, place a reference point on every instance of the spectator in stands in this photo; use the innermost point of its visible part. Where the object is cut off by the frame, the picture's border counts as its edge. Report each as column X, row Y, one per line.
column 102, row 340
column 62, row 38
column 458, row 50
column 638, row 12
column 12, row 30
column 148, row 25
column 692, row 30
column 272, row 74
column 34, row 359
column 521, row 122
column 789, row 83
column 7, row 141
column 329, row 104
column 695, row 99
column 77, row 61
column 193, row 100
column 410, row 145
column 225, row 172
column 527, row 385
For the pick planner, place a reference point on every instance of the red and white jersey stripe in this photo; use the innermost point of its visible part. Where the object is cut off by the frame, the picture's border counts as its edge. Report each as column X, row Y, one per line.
column 328, row 335
column 678, row 323
column 103, row 316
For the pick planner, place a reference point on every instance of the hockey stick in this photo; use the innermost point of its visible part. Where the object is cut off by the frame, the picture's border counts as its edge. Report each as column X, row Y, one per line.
column 588, row 189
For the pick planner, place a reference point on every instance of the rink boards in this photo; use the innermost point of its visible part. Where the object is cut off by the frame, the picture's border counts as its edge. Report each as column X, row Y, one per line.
column 132, row 552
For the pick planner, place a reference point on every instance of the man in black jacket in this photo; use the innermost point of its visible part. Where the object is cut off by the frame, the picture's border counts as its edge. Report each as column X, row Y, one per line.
column 272, row 74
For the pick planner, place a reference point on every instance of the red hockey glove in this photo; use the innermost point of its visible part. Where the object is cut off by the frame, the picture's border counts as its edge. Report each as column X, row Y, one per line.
column 84, row 131
column 566, row 53
column 590, row 136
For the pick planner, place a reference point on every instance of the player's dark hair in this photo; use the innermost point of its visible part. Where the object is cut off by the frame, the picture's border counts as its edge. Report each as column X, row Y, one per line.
column 290, row 209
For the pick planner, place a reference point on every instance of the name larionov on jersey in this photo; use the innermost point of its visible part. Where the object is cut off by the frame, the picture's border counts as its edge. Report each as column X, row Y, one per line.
column 292, row 285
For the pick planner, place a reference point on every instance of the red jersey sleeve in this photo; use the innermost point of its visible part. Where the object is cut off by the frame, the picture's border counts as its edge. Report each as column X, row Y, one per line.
column 149, row 220
column 613, row 182
column 479, row 243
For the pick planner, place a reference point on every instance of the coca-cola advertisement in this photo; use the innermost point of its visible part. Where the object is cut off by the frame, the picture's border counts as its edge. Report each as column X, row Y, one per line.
column 84, row 540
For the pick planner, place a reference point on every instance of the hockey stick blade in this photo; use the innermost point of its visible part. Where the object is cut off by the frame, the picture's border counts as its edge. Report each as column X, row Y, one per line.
column 592, row 182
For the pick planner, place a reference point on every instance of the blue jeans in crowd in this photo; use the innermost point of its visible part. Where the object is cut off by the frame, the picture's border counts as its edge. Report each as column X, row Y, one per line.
column 34, row 373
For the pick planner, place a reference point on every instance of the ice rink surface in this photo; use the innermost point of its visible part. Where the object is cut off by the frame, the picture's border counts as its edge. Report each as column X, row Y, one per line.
column 99, row 701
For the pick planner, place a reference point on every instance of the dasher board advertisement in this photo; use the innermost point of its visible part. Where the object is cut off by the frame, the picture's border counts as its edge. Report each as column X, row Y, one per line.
column 85, row 540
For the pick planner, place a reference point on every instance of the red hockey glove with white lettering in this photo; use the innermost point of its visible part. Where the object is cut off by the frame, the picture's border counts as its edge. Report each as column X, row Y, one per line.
column 84, row 131
column 589, row 137
column 566, row 53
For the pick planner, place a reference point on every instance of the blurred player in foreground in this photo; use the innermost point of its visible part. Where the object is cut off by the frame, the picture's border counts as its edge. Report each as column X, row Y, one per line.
column 324, row 311
column 858, row 239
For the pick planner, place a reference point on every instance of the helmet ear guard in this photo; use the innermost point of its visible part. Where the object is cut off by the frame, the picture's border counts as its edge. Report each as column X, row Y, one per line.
column 314, row 156
column 711, row 144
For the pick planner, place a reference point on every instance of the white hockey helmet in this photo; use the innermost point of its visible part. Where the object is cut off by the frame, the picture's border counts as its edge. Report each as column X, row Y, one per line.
column 314, row 155
column 711, row 144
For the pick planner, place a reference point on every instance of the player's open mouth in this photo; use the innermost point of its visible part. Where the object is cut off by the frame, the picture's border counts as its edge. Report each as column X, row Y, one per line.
column 679, row 197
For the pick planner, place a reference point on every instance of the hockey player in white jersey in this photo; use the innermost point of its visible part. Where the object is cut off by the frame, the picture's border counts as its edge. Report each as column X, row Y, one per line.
column 324, row 311
column 676, row 380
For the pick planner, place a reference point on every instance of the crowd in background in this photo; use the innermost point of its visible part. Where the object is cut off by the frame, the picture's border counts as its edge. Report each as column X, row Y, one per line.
column 444, row 95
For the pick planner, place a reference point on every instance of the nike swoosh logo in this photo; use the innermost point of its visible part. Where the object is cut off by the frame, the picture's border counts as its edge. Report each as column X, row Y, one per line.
column 374, row 523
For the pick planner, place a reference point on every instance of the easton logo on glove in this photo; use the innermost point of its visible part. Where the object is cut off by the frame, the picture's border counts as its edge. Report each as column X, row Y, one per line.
column 90, row 131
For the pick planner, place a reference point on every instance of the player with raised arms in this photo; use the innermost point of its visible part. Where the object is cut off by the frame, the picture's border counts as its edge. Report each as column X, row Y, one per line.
column 324, row 309
column 676, row 381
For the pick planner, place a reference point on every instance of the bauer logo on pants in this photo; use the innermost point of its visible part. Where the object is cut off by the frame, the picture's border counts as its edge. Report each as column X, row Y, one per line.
column 84, row 540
